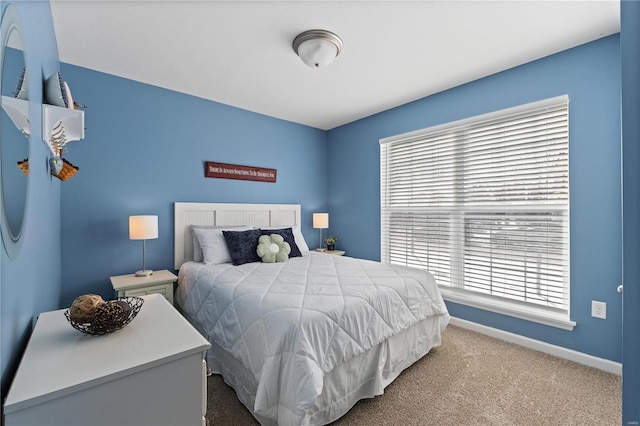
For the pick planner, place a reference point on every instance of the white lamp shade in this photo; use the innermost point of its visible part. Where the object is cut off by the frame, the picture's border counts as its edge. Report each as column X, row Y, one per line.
column 321, row 220
column 143, row 227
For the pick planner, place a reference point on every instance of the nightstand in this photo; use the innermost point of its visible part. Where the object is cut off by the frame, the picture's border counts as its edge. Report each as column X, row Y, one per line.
column 152, row 372
column 334, row 252
column 160, row 282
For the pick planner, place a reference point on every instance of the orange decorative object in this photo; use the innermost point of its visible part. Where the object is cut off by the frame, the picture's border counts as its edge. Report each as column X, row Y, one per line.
column 67, row 172
column 24, row 166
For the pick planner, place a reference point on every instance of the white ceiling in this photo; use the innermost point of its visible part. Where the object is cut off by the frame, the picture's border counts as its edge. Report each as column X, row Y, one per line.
column 239, row 52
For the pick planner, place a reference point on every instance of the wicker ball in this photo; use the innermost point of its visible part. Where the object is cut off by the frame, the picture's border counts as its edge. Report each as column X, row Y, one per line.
column 85, row 306
column 108, row 315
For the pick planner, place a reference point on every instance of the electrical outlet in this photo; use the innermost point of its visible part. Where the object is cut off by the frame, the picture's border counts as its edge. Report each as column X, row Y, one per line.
column 598, row 309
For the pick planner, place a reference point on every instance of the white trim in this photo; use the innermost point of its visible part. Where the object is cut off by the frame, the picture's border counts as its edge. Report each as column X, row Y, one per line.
column 516, row 310
column 568, row 354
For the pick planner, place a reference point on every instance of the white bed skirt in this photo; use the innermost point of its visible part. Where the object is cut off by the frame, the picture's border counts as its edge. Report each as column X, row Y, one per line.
column 364, row 376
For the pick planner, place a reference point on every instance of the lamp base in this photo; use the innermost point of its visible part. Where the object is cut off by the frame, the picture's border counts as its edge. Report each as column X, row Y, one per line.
column 144, row 273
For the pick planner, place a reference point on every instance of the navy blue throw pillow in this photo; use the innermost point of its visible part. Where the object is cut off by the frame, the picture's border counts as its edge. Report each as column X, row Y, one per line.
column 242, row 245
column 287, row 234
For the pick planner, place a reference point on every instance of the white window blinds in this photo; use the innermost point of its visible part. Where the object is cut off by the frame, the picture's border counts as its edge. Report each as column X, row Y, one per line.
column 483, row 204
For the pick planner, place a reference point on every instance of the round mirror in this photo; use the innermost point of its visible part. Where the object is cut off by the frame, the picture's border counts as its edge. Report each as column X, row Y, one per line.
column 14, row 131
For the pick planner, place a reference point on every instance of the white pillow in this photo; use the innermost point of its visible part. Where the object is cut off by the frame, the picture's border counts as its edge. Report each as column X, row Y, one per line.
column 212, row 243
column 197, row 250
column 300, row 242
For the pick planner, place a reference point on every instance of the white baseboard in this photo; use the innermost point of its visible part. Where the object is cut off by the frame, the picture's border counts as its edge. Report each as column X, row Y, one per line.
column 559, row 351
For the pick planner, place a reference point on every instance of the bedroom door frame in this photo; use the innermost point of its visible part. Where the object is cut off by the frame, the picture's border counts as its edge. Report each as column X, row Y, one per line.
column 630, row 113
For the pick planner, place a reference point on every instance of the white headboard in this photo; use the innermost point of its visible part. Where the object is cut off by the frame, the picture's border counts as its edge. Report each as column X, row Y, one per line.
column 216, row 214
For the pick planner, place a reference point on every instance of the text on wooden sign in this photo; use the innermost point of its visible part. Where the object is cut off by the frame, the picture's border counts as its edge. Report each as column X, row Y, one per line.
column 236, row 171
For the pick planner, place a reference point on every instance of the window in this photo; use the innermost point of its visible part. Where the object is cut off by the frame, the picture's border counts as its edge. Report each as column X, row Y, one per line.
column 483, row 204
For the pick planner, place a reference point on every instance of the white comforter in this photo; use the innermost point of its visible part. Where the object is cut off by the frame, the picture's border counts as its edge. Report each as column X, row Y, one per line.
column 290, row 323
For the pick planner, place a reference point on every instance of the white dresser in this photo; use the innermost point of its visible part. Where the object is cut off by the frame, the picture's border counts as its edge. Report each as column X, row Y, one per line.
column 151, row 372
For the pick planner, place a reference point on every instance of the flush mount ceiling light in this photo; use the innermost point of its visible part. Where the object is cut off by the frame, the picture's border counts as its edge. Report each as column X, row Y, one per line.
column 317, row 48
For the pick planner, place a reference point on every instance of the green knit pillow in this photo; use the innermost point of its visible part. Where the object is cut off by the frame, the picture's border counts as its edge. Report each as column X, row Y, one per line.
column 273, row 248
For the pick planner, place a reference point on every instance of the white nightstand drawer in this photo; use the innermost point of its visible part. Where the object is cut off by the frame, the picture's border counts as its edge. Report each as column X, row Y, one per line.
column 165, row 289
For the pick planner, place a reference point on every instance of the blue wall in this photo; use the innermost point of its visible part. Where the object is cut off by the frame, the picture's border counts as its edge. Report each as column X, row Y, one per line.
column 145, row 149
column 31, row 283
column 590, row 75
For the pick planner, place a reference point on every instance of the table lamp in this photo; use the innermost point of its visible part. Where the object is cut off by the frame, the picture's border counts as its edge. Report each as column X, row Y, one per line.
column 321, row 221
column 143, row 228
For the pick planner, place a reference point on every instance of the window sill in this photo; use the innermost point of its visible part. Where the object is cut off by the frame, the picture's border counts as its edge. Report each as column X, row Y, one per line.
column 527, row 313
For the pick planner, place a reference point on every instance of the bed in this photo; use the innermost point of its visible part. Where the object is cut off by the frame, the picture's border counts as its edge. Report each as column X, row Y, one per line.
column 302, row 341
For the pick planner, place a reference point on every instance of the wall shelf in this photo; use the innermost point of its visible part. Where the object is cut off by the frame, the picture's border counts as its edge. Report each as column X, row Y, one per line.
column 61, row 125
column 18, row 111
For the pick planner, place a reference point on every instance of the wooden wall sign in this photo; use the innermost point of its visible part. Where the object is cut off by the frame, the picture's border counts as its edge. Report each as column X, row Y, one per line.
column 236, row 171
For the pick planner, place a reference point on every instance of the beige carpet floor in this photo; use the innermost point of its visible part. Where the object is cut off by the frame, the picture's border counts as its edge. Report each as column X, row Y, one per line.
column 471, row 379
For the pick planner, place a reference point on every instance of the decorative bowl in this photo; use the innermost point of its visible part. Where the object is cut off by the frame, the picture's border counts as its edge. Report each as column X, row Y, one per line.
column 108, row 317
